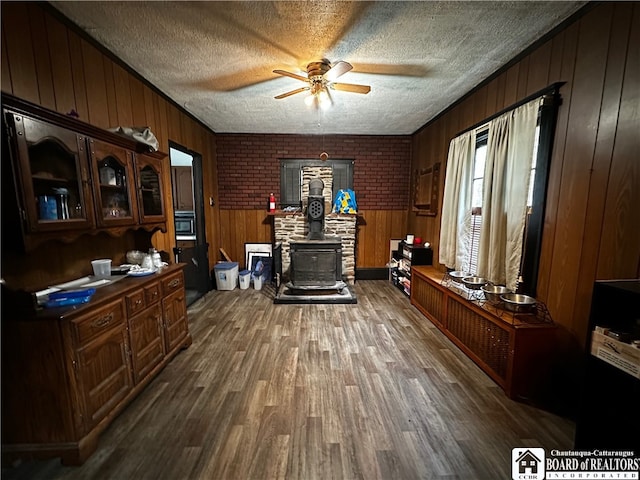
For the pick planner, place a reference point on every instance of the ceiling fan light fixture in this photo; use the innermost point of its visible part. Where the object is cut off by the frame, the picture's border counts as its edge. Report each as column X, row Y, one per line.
column 309, row 99
column 321, row 76
column 323, row 98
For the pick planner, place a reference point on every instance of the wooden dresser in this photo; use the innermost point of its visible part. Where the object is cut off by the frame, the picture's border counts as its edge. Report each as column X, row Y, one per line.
column 513, row 349
column 68, row 372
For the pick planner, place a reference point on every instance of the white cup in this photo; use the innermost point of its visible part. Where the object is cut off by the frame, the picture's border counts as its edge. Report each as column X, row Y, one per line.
column 409, row 239
column 101, row 267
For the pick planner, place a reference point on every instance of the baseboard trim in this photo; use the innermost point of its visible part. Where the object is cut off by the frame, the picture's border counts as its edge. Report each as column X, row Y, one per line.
column 372, row 273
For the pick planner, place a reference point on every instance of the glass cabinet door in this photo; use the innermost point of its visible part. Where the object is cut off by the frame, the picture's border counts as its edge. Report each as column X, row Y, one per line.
column 113, row 181
column 150, row 198
column 55, row 181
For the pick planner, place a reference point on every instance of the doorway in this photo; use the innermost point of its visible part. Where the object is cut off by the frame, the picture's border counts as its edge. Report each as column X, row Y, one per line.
column 190, row 246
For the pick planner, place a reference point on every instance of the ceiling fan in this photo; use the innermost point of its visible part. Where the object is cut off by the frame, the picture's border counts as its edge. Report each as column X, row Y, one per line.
column 320, row 78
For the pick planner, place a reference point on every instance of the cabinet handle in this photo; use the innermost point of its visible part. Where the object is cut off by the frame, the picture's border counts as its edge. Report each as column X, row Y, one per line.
column 174, row 283
column 138, row 302
column 101, row 322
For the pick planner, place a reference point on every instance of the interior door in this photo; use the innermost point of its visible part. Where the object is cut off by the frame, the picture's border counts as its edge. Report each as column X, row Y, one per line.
column 200, row 255
column 193, row 252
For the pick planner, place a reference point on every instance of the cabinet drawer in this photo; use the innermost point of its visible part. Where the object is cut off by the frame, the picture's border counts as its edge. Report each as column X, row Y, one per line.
column 135, row 302
column 104, row 318
column 172, row 283
column 152, row 293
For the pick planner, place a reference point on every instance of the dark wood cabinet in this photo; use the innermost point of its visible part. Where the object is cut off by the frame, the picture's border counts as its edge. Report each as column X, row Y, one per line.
column 186, row 243
column 147, row 341
column 52, row 175
column 103, row 374
column 182, row 184
column 174, row 308
column 145, row 329
column 150, row 197
column 67, row 372
column 175, row 317
column 113, row 179
column 71, row 178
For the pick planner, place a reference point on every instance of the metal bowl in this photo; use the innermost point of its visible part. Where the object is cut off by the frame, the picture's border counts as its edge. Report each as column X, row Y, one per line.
column 516, row 302
column 474, row 283
column 492, row 293
column 458, row 275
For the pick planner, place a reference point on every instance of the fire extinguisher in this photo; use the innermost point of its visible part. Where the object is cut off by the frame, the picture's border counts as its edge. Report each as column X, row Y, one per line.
column 272, row 202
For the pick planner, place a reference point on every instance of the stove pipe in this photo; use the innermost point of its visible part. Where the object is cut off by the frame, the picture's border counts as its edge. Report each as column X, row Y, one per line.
column 315, row 210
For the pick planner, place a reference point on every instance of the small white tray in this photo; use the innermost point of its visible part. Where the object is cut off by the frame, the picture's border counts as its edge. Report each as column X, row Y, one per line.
column 141, row 272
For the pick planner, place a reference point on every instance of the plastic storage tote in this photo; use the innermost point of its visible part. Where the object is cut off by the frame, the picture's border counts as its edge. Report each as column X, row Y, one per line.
column 226, row 275
column 244, row 279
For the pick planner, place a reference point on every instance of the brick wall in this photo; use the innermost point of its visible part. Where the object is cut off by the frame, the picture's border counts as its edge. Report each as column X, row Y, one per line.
column 249, row 167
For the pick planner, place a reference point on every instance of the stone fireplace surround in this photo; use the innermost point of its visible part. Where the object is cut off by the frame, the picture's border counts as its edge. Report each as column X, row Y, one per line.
column 293, row 227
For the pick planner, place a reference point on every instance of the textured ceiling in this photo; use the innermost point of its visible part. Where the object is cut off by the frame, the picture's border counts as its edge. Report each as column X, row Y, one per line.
column 216, row 58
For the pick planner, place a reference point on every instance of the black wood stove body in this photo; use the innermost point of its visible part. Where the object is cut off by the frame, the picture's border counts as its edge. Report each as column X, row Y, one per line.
column 316, row 263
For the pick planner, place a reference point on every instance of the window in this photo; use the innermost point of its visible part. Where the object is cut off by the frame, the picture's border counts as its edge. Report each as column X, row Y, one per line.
column 291, row 178
column 538, row 192
column 477, row 184
column 476, row 195
column 494, row 243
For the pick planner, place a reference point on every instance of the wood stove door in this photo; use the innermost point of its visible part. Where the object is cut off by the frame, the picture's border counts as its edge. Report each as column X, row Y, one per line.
column 317, row 266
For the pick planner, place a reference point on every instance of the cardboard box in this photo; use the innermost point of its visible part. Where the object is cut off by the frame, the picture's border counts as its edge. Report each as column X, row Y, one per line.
column 621, row 355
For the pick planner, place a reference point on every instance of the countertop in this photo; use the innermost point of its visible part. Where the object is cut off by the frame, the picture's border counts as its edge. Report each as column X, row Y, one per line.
column 118, row 289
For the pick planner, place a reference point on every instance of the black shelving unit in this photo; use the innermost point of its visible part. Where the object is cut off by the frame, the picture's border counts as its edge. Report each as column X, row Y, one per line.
column 407, row 256
column 608, row 416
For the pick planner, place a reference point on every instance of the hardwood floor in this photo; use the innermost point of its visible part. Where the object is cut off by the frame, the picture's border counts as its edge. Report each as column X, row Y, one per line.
column 315, row 392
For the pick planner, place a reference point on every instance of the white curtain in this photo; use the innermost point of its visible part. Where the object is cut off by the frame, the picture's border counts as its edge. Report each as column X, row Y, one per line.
column 506, row 183
column 456, row 202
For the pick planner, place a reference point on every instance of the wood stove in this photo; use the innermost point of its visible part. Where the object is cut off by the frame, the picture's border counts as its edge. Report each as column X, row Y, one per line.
column 315, row 268
column 316, row 263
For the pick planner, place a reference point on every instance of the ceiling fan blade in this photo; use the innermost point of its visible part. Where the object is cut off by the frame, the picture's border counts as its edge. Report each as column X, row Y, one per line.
column 340, row 68
column 292, row 92
column 350, row 87
column 329, row 95
column 292, row 75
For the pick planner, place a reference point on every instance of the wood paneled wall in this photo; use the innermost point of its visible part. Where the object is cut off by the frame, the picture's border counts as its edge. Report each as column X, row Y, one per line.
column 375, row 229
column 49, row 64
column 238, row 227
column 591, row 226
